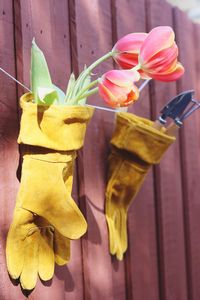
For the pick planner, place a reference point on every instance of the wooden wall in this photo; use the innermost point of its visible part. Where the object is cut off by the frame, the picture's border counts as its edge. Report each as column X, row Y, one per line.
column 163, row 258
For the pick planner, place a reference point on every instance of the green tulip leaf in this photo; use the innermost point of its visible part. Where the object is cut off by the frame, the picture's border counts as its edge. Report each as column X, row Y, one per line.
column 70, row 87
column 85, row 83
column 41, row 84
column 61, row 95
column 46, row 96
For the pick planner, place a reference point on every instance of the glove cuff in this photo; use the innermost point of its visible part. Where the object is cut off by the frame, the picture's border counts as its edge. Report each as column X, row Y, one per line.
column 137, row 136
column 57, row 127
column 48, row 155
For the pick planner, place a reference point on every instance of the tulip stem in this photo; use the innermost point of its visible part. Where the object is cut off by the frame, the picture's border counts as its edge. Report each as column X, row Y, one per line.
column 87, row 71
column 91, row 92
column 98, row 61
column 137, row 67
column 89, row 86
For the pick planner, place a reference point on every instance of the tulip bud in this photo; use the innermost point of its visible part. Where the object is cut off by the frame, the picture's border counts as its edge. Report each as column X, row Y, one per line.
column 127, row 49
column 117, row 87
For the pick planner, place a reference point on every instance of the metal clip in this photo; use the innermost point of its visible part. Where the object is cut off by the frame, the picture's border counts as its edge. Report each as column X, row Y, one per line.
column 176, row 108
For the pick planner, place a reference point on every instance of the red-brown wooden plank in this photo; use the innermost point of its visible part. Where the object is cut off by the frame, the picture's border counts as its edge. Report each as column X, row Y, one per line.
column 196, row 29
column 141, row 257
column 172, row 269
column 8, row 146
column 196, row 37
column 190, row 157
column 104, row 278
column 48, row 22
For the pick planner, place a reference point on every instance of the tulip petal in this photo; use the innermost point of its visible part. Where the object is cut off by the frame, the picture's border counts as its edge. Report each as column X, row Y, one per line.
column 158, row 39
column 174, row 75
column 130, row 43
column 127, row 60
column 163, row 60
column 122, row 78
column 106, row 95
column 110, row 97
column 117, row 90
column 143, row 75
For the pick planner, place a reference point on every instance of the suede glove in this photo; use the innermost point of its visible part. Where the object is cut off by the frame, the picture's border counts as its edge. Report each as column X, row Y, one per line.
column 37, row 245
column 46, row 216
column 136, row 145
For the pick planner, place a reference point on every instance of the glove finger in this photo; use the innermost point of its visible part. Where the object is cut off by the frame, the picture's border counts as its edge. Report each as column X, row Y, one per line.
column 112, row 235
column 123, row 232
column 46, row 255
column 110, row 218
column 14, row 253
column 28, row 276
column 61, row 249
column 121, row 229
column 15, row 244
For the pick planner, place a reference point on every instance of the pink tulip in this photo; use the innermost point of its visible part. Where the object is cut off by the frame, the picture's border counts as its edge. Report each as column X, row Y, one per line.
column 117, row 87
column 127, row 49
column 158, row 55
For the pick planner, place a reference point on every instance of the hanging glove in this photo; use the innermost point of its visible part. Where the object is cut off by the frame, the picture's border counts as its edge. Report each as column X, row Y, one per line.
column 136, row 145
column 37, row 245
column 61, row 129
column 44, row 226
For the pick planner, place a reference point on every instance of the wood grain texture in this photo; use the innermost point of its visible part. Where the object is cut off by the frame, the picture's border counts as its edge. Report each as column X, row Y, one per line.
column 104, row 278
column 168, row 189
column 141, row 257
column 190, row 157
column 163, row 258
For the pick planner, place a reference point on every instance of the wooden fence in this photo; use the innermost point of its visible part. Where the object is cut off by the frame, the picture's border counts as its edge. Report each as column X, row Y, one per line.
column 163, row 258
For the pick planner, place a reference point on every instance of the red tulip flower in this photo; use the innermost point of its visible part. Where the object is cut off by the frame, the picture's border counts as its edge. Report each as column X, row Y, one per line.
column 127, row 49
column 117, row 87
column 158, row 55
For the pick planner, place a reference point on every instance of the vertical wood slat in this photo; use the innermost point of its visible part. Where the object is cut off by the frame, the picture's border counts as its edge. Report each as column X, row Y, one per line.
column 190, row 157
column 168, row 190
column 104, row 278
column 141, row 257
column 196, row 29
column 48, row 22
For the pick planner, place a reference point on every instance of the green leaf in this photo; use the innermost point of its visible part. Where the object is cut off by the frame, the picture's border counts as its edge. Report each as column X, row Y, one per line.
column 61, row 95
column 78, row 84
column 70, row 87
column 40, row 77
column 85, row 83
column 46, row 96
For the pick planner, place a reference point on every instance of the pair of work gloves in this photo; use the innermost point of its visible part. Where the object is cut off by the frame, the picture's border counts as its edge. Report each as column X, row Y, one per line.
column 135, row 146
column 45, row 216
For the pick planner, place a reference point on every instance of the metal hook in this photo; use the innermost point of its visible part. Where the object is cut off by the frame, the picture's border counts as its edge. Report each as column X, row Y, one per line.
column 176, row 108
column 193, row 108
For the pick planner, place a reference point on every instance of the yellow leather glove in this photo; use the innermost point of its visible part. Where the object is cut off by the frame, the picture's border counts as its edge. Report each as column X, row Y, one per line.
column 136, row 145
column 40, row 231
column 37, row 247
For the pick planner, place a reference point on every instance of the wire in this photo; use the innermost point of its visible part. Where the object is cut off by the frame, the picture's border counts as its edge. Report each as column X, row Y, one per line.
column 13, row 78
column 98, row 107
